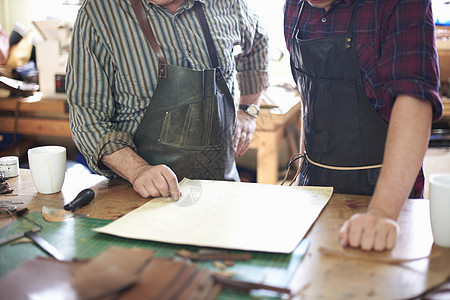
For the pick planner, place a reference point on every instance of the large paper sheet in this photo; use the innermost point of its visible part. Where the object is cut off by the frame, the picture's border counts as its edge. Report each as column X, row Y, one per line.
column 231, row 215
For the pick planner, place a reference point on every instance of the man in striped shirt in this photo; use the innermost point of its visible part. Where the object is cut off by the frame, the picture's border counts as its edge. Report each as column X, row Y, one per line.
column 112, row 77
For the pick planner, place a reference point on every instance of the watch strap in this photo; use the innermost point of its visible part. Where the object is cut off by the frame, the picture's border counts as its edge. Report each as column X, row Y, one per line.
column 246, row 109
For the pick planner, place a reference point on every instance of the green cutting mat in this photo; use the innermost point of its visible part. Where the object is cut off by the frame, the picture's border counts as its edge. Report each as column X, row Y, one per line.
column 74, row 238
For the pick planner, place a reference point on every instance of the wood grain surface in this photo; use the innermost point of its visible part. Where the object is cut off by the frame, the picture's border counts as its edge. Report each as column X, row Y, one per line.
column 319, row 276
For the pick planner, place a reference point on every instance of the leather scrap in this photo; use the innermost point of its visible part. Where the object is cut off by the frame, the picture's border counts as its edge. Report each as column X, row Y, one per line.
column 5, row 188
column 165, row 278
column 111, row 272
column 213, row 255
column 117, row 273
column 38, row 279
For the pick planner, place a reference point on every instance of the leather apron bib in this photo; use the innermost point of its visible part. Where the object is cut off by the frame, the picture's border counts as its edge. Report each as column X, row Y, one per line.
column 344, row 135
column 189, row 123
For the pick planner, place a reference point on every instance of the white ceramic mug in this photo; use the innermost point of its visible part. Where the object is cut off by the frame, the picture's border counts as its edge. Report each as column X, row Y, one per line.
column 440, row 208
column 48, row 168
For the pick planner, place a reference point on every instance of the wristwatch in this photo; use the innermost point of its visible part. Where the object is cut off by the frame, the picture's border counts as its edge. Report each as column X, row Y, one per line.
column 250, row 109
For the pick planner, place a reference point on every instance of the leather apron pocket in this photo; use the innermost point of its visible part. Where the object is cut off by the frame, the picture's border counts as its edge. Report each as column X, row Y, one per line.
column 192, row 126
column 188, row 126
column 329, row 122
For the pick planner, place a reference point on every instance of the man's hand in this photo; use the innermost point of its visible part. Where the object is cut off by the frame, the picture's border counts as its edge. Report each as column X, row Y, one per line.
column 245, row 126
column 243, row 134
column 155, row 181
column 373, row 230
column 148, row 181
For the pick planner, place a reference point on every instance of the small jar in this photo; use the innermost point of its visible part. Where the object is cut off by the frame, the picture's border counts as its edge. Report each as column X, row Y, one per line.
column 9, row 166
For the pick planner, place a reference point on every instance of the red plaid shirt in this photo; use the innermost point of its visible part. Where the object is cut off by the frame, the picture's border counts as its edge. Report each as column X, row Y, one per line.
column 395, row 44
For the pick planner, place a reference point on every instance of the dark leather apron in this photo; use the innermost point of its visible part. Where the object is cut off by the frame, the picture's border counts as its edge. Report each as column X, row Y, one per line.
column 190, row 121
column 344, row 135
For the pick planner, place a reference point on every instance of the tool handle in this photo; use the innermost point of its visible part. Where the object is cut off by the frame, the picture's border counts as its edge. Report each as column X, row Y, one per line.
column 83, row 198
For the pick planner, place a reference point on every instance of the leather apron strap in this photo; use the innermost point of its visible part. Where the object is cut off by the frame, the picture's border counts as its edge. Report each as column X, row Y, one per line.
column 148, row 32
column 198, row 7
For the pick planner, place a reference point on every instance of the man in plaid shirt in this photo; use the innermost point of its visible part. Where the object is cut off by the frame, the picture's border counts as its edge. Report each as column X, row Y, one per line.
column 367, row 73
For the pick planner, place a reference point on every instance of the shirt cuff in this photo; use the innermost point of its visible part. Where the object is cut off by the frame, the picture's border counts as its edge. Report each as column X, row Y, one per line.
column 418, row 89
column 252, row 82
column 108, row 144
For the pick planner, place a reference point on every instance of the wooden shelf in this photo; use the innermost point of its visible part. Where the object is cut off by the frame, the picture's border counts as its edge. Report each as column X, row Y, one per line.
column 36, row 116
column 36, row 126
column 34, row 106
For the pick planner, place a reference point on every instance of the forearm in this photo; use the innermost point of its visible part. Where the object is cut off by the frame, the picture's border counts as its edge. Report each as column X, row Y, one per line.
column 250, row 99
column 148, row 181
column 406, row 143
column 124, row 162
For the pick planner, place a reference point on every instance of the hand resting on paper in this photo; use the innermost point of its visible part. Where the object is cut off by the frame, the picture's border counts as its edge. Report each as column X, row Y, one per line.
column 147, row 180
column 155, row 181
column 373, row 230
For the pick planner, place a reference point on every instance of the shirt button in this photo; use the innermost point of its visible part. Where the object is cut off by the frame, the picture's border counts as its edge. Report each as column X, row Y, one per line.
column 323, row 20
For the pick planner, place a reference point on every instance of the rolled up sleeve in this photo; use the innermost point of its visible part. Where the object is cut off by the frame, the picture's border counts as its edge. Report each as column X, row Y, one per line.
column 89, row 88
column 404, row 71
column 252, row 62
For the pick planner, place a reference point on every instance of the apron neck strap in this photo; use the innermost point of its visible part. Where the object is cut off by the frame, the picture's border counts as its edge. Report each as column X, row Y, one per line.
column 198, row 7
column 296, row 29
column 351, row 25
column 148, row 32
column 349, row 28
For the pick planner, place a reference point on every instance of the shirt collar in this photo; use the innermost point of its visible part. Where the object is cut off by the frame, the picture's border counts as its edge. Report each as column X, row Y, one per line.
column 188, row 4
column 334, row 4
column 348, row 2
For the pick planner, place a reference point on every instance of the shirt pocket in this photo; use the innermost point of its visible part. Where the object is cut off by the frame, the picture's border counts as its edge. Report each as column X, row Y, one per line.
column 367, row 59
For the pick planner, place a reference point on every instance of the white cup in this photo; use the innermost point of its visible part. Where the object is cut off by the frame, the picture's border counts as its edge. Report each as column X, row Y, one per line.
column 48, row 168
column 440, row 208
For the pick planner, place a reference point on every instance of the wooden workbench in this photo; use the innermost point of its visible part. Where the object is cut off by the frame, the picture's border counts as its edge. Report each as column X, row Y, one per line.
column 318, row 276
column 271, row 129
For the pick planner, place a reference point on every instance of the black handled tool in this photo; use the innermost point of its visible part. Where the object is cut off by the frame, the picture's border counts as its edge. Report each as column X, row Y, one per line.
column 83, row 198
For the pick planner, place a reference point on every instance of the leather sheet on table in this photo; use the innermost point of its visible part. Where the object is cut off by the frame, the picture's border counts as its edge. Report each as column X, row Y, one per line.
column 117, row 273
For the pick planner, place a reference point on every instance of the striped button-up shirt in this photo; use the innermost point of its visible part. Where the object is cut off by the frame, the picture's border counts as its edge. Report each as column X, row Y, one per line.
column 112, row 70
